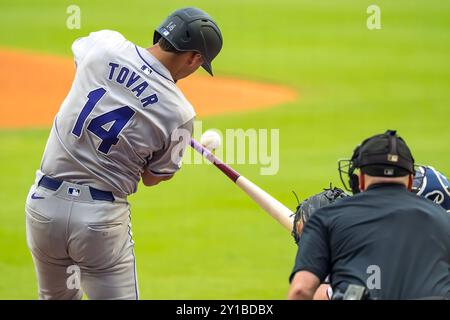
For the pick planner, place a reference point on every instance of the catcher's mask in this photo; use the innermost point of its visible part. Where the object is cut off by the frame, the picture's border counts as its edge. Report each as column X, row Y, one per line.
column 192, row 29
column 383, row 155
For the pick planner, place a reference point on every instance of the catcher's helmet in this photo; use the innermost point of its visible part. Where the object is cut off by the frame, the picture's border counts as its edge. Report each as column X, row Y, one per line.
column 191, row 29
column 433, row 185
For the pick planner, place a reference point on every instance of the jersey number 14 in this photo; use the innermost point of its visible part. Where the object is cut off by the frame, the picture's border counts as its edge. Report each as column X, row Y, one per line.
column 120, row 116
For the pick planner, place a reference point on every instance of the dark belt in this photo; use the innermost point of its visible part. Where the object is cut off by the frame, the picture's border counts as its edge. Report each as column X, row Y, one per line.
column 53, row 184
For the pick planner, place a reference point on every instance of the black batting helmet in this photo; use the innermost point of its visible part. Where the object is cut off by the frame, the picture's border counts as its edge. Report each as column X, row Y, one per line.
column 191, row 29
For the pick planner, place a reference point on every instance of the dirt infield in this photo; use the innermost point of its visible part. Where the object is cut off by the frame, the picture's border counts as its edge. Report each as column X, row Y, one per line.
column 32, row 87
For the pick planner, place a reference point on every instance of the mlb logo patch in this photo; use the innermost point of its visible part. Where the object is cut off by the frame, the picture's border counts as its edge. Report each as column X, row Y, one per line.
column 165, row 32
column 392, row 157
column 146, row 69
column 73, row 192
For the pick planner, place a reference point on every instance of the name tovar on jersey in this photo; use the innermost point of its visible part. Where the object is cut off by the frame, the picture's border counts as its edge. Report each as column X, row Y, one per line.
column 119, row 117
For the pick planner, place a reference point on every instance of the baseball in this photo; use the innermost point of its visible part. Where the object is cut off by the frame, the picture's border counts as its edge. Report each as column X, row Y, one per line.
column 210, row 139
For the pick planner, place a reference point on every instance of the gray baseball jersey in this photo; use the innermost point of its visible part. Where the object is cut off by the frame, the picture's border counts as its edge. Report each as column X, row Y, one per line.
column 118, row 117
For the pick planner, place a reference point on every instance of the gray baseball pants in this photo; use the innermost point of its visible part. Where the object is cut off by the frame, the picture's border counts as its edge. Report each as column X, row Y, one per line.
column 79, row 244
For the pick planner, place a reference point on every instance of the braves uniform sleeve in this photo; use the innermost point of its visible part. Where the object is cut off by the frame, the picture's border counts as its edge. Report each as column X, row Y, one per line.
column 313, row 253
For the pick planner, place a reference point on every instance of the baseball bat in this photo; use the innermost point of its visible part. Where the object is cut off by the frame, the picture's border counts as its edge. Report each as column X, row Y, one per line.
column 268, row 203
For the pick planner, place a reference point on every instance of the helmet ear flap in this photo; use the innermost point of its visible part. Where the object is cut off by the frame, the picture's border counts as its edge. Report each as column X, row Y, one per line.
column 156, row 37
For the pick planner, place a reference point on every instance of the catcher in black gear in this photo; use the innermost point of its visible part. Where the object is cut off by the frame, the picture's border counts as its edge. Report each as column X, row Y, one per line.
column 312, row 204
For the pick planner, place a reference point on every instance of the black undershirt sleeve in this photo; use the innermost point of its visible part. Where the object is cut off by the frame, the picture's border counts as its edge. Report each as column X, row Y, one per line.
column 313, row 252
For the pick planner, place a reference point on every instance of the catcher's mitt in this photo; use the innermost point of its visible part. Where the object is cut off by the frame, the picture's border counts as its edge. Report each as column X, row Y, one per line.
column 307, row 208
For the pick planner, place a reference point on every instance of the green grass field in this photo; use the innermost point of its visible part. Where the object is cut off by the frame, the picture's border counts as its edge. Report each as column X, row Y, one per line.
column 199, row 237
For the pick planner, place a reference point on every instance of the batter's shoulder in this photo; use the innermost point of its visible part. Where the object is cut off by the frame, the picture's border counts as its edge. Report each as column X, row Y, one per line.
column 184, row 108
column 96, row 42
column 179, row 112
column 104, row 36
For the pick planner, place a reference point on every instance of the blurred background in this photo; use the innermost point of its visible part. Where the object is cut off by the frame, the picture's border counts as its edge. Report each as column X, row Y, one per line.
column 200, row 237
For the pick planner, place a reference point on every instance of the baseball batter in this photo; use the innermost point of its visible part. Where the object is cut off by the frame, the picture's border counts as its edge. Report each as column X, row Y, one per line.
column 124, row 119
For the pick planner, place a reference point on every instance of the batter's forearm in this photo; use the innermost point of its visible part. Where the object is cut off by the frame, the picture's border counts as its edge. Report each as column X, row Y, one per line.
column 152, row 180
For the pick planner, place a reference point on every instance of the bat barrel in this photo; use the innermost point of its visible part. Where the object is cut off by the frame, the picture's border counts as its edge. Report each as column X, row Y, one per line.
column 272, row 206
